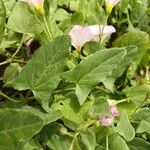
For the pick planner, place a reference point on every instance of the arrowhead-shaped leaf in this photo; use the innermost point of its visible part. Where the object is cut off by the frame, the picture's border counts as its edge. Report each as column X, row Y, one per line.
column 109, row 82
column 94, row 69
column 42, row 72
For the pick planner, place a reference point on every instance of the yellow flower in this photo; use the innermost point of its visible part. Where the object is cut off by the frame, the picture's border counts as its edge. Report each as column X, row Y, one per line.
column 110, row 4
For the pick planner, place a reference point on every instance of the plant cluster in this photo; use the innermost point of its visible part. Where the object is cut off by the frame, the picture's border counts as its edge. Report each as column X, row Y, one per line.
column 74, row 75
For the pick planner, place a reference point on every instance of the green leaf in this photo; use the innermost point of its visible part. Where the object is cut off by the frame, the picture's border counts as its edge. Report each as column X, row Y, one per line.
column 72, row 113
column 42, row 72
column 11, row 72
column 88, row 139
column 139, row 94
column 139, row 144
column 117, row 143
column 2, row 19
column 137, row 38
column 23, row 21
column 142, row 114
column 47, row 117
column 109, row 82
column 17, row 126
column 124, row 128
column 144, row 127
column 94, row 69
column 101, row 107
column 52, row 138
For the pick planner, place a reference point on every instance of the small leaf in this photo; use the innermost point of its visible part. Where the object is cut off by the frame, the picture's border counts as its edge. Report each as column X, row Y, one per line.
column 94, row 69
column 124, row 128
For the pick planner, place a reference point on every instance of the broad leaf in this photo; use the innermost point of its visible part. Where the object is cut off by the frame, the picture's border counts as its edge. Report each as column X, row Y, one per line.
column 17, row 126
column 42, row 72
column 52, row 138
column 109, row 82
column 23, row 21
column 117, row 143
column 11, row 72
column 47, row 117
column 144, row 127
column 2, row 19
column 139, row 144
column 72, row 113
column 142, row 114
column 139, row 94
column 94, row 69
column 88, row 140
column 124, row 128
column 137, row 38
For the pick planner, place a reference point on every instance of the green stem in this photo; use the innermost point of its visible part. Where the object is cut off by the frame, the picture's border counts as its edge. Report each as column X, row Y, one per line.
column 42, row 26
column 147, row 74
column 19, row 47
column 123, row 100
column 3, row 63
column 8, row 98
column 107, row 146
column 47, row 27
column 65, row 90
column 71, row 145
column 102, row 89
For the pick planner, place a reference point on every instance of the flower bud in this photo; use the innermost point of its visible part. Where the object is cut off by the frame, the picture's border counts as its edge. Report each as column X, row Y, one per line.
column 37, row 4
column 106, row 121
column 110, row 4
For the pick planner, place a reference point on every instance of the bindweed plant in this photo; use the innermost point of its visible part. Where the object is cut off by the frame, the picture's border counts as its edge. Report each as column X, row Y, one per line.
column 74, row 75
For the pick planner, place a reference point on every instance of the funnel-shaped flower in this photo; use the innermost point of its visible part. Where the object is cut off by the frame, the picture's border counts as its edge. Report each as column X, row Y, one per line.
column 80, row 35
column 101, row 31
column 110, row 4
column 37, row 4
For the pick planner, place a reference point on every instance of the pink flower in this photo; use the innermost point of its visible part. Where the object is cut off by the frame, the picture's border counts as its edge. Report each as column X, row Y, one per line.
column 37, row 4
column 80, row 35
column 106, row 121
column 113, row 108
column 110, row 4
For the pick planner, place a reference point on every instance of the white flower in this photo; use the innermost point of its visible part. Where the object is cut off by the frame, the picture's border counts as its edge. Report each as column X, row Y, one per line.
column 110, row 4
column 80, row 35
column 100, row 31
